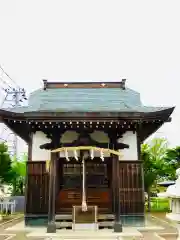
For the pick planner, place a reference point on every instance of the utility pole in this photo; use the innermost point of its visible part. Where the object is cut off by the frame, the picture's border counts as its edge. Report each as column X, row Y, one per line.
column 11, row 96
column 14, row 98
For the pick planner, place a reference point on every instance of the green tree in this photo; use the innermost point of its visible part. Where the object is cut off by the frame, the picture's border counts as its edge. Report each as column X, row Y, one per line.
column 6, row 173
column 19, row 171
column 172, row 159
column 153, row 154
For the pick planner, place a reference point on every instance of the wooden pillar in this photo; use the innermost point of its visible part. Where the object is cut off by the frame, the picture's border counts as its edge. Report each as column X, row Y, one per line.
column 117, row 223
column 51, row 228
column 116, row 183
column 138, row 128
column 113, row 184
column 27, row 173
column 139, row 132
column 30, row 147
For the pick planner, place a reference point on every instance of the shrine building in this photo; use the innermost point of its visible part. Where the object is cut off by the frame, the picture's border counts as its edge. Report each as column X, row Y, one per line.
column 84, row 161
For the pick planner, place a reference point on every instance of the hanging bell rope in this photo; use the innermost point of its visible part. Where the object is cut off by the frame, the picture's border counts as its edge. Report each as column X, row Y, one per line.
column 84, row 203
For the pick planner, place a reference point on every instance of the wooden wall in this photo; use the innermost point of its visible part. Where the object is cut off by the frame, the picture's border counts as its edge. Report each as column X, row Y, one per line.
column 131, row 188
column 37, row 188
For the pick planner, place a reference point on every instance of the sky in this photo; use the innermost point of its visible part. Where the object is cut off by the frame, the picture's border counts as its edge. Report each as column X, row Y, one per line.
column 96, row 40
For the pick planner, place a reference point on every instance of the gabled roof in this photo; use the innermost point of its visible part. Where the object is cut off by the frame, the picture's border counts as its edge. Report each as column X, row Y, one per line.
column 61, row 102
column 85, row 98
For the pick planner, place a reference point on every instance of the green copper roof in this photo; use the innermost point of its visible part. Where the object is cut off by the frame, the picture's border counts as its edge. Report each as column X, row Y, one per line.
column 82, row 99
column 85, row 100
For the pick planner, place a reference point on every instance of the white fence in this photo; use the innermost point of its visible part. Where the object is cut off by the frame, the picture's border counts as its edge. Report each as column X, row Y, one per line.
column 7, row 207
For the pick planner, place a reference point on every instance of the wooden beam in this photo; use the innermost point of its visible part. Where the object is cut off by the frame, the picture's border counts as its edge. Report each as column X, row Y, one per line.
column 22, row 130
column 148, row 129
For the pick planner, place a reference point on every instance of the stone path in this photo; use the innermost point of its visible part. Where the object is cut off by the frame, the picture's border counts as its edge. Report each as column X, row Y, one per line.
column 8, row 235
column 169, row 232
column 158, row 220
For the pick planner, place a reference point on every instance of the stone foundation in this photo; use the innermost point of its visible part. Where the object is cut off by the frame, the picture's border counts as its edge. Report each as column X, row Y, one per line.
column 36, row 220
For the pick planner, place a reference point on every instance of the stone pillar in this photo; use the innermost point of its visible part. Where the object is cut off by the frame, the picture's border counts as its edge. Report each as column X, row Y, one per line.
column 51, row 228
column 116, row 172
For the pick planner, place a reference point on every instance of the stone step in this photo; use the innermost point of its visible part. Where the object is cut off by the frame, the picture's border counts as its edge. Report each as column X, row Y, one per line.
column 62, row 217
column 60, row 225
column 104, row 224
column 128, row 233
column 65, row 221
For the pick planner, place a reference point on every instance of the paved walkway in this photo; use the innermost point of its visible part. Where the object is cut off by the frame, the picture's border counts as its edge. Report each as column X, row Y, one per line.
column 169, row 231
column 9, row 235
column 158, row 220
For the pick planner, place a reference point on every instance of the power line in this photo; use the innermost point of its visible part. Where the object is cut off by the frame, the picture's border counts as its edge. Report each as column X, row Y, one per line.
column 13, row 96
column 7, row 75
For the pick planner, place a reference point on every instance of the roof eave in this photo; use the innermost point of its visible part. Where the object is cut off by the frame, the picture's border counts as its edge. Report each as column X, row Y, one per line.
column 163, row 115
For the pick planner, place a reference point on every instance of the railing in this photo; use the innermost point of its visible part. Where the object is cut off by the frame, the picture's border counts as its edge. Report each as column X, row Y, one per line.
column 7, row 207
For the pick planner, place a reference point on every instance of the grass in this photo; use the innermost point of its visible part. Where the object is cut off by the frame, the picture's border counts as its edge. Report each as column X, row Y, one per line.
column 159, row 204
column 7, row 217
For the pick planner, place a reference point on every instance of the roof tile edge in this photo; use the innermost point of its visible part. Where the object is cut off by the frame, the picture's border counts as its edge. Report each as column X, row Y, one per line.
column 51, row 85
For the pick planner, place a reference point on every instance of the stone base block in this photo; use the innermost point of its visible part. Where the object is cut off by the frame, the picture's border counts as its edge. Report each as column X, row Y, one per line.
column 51, row 228
column 117, row 227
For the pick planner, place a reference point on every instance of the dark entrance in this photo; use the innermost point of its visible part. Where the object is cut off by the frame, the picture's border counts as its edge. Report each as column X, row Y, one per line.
column 98, row 184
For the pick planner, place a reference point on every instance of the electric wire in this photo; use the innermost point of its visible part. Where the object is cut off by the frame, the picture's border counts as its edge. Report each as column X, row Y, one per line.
column 3, row 71
column 9, row 87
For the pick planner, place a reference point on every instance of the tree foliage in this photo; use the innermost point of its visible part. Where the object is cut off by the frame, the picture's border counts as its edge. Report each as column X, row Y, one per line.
column 172, row 159
column 6, row 173
column 153, row 154
column 19, row 171
column 12, row 171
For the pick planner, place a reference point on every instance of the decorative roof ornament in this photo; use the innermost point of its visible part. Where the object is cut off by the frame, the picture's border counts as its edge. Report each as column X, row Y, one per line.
column 45, row 83
column 123, row 84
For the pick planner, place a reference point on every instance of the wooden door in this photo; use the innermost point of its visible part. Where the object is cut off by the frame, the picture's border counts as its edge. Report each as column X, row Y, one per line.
column 98, row 181
column 98, row 185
